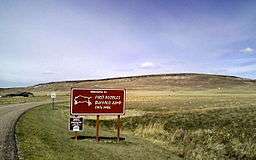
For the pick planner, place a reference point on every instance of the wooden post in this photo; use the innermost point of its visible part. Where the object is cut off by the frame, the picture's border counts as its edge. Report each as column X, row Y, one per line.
column 118, row 128
column 76, row 135
column 53, row 103
column 97, row 128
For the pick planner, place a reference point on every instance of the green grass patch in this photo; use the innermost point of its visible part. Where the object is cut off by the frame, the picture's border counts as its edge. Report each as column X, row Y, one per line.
column 43, row 134
column 158, row 124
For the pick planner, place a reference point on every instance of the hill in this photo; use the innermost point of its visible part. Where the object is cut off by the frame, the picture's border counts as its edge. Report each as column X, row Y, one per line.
column 173, row 82
column 168, row 116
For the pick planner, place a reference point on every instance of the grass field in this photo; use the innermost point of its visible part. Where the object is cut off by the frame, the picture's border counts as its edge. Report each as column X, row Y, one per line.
column 39, row 97
column 43, row 134
column 202, row 124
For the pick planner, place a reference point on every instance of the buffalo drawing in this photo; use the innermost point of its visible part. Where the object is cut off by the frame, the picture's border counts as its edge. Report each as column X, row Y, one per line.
column 82, row 99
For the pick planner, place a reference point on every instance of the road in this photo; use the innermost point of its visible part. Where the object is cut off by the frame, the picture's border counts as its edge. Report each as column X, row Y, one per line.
column 8, row 118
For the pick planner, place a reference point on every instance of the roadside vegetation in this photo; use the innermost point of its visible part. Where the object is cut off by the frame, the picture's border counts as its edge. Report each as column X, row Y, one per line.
column 187, row 124
column 38, row 97
column 43, row 135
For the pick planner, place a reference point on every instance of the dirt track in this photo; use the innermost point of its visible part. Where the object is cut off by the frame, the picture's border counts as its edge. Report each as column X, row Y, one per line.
column 8, row 117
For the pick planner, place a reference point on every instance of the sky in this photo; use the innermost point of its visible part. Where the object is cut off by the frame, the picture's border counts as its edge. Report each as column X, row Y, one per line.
column 48, row 40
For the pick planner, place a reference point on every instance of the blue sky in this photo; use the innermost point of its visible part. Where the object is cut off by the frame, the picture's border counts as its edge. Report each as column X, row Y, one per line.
column 43, row 41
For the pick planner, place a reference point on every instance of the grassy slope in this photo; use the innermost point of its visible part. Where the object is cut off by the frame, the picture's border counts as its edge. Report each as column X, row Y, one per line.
column 172, row 82
column 193, row 116
column 43, row 135
column 197, row 125
column 37, row 98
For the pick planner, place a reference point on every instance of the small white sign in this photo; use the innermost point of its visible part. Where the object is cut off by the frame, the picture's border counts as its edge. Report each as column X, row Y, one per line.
column 53, row 95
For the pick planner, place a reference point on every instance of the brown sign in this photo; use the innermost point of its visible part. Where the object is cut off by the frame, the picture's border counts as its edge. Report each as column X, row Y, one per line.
column 97, row 101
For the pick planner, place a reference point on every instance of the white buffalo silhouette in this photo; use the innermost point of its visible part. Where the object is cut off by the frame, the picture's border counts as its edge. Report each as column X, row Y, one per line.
column 82, row 99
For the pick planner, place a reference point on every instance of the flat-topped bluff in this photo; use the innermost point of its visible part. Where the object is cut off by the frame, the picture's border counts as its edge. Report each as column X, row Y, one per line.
column 148, row 82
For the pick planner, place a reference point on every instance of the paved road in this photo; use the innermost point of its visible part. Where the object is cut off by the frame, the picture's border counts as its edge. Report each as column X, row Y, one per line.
column 8, row 117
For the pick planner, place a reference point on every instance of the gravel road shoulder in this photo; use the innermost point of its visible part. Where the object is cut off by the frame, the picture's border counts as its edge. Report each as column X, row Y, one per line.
column 8, row 117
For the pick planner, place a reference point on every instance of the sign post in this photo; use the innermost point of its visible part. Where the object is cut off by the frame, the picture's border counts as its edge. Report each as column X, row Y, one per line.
column 53, row 96
column 76, row 135
column 118, row 128
column 76, row 125
column 107, row 102
column 97, row 128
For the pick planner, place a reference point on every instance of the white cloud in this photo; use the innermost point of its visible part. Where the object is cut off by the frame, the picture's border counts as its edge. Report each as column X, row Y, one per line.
column 247, row 50
column 147, row 65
